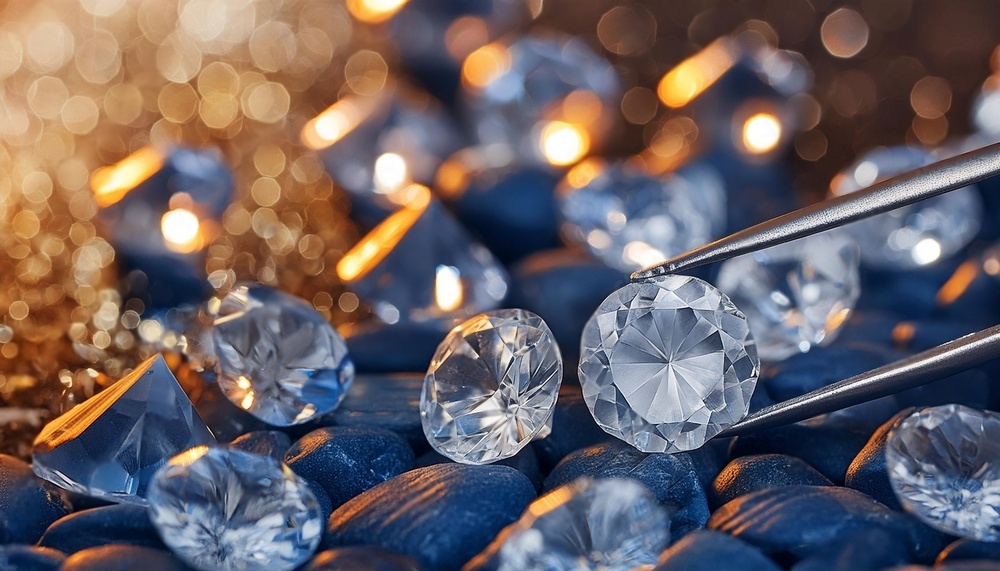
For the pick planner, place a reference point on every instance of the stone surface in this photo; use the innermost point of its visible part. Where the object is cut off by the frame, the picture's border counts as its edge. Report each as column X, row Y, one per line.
column 827, row 448
column 122, row 558
column 942, row 466
column 706, row 550
column 118, row 524
column 573, row 428
column 399, row 348
column 29, row 558
column 110, row 445
column 871, row 550
column 279, row 359
column 263, row 443
column 868, row 472
column 391, row 402
column 491, row 387
column 969, row 549
column 800, row 374
column 525, row 462
column 361, row 559
column 227, row 510
column 667, row 364
column 751, row 473
column 27, row 505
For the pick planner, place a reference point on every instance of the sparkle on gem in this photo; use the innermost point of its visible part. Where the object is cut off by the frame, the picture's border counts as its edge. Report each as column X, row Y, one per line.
column 228, row 510
column 942, row 464
column 491, row 387
column 666, row 364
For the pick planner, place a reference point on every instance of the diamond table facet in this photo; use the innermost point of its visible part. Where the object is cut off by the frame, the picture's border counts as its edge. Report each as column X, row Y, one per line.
column 110, row 445
column 667, row 364
column 491, row 387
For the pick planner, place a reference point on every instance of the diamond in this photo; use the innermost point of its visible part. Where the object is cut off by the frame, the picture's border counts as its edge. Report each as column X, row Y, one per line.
column 796, row 295
column 278, row 358
column 110, row 445
column 942, row 466
column 667, row 364
column 227, row 510
column 916, row 235
column 491, row 387
column 613, row 525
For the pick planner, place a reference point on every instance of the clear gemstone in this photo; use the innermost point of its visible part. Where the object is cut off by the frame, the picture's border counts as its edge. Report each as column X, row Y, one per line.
column 110, row 445
column 491, row 387
column 916, row 235
column 228, row 510
column 278, row 358
column 630, row 219
column 795, row 295
column 667, row 364
column 942, row 464
column 611, row 525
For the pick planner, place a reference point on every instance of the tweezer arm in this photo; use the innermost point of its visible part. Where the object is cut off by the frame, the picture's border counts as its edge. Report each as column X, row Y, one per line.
column 932, row 180
column 922, row 368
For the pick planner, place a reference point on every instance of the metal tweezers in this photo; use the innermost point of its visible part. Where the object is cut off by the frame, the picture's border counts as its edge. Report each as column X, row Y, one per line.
column 919, row 369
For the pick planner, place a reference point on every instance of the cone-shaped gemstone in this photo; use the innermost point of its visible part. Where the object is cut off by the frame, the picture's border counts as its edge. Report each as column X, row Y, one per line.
column 110, row 445
column 492, row 387
column 667, row 364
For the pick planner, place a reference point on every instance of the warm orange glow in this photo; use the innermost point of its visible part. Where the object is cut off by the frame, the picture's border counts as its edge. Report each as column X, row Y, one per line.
column 563, row 143
column 181, row 230
column 374, row 11
column 581, row 175
column 761, row 133
column 452, row 178
column 582, row 107
column 694, row 75
column 958, row 283
column 373, row 248
column 485, row 65
column 903, row 333
column 448, row 288
column 111, row 184
column 337, row 121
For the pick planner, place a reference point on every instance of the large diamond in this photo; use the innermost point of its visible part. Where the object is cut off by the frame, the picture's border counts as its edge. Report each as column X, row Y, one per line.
column 943, row 467
column 915, row 235
column 110, row 445
column 795, row 295
column 612, row 525
column 229, row 510
column 278, row 358
column 630, row 219
column 667, row 364
column 491, row 387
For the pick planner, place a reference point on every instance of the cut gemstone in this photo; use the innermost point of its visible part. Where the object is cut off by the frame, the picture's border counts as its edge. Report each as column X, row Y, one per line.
column 110, row 445
column 421, row 265
column 796, row 295
column 916, row 235
column 612, row 525
column 491, row 387
column 666, row 364
column 630, row 219
column 228, row 510
column 942, row 464
column 278, row 358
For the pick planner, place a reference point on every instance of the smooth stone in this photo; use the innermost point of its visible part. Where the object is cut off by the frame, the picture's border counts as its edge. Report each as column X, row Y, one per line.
column 671, row 477
column 573, row 428
column 805, row 372
column 361, row 559
column 972, row 388
column 398, row 348
column 969, row 549
column 751, row 473
column 802, row 520
column 263, row 443
column 969, row 566
column 347, row 460
column 322, row 498
column 29, row 558
column 868, row 472
column 389, row 401
column 441, row 515
column 928, row 333
column 828, row 449
column 911, row 294
column 869, row 327
column 116, row 524
column 27, row 504
column 709, row 460
column 122, row 558
column 525, row 462
column 705, row 550
column 870, row 550
column 760, row 398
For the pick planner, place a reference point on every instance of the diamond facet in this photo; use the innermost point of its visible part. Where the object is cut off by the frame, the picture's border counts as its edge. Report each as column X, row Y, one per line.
column 796, row 295
column 667, row 364
column 916, row 235
column 491, row 387
column 228, row 510
column 612, row 525
column 110, row 445
column 942, row 464
column 278, row 358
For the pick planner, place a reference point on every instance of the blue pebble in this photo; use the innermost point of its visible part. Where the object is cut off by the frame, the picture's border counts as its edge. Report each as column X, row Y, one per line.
column 29, row 558
column 365, row 558
column 911, row 294
column 399, row 348
column 116, row 524
column 969, row 549
column 828, row 449
column 870, row 550
column 573, row 428
column 384, row 401
column 525, row 462
column 967, row 566
column 706, row 550
column 270, row 443
column 751, row 473
column 347, row 460
column 868, row 472
column 671, row 477
column 441, row 515
column 709, row 460
column 972, row 388
column 122, row 558
column 805, row 372
column 27, row 504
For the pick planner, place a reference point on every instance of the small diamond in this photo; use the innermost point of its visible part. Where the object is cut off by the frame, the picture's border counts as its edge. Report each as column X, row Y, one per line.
column 942, row 464
column 667, row 364
column 916, row 235
column 491, row 387
column 278, row 359
column 228, row 510
column 110, row 445
column 795, row 295
column 630, row 219
column 612, row 525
